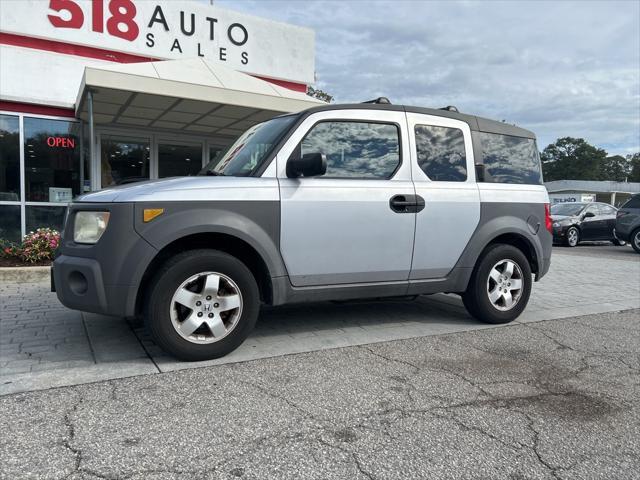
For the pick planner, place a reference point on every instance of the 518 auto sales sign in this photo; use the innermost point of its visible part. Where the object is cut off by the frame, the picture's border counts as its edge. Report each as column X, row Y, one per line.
column 169, row 29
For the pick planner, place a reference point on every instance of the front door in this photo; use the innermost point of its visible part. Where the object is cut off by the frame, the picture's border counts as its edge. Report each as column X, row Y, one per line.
column 591, row 228
column 341, row 228
column 444, row 176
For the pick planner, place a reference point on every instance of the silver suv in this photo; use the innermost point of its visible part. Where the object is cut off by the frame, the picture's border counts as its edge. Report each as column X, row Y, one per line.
column 333, row 203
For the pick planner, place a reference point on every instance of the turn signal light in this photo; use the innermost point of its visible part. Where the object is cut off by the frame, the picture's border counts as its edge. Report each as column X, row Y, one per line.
column 149, row 214
column 547, row 217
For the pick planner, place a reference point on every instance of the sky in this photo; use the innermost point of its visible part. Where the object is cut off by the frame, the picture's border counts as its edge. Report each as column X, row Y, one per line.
column 559, row 68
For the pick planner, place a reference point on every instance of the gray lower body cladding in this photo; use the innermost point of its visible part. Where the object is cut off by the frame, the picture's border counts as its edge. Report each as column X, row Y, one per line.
column 114, row 268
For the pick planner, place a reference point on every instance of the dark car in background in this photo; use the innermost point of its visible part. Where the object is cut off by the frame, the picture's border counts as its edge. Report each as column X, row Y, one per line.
column 628, row 222
column 577, row 222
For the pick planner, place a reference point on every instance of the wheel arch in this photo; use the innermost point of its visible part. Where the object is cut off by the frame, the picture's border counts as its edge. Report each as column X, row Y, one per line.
column 225, row 242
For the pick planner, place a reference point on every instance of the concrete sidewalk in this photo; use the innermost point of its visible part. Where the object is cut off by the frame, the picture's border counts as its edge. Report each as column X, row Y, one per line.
column 44, row 345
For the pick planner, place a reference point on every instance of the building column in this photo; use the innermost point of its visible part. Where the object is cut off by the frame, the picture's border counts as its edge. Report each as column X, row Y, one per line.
column 93, row 162
column 613, row 198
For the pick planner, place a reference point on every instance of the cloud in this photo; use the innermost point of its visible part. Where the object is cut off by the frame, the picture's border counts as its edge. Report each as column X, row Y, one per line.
column 557, row 68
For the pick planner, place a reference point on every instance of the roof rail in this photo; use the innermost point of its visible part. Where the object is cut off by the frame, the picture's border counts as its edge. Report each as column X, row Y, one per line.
column 379, row 100
column 450, row 108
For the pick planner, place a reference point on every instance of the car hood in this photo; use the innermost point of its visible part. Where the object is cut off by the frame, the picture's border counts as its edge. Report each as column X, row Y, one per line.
column 199, row 188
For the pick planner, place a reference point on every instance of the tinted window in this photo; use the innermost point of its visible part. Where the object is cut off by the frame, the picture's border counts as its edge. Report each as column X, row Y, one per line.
column 634, row 202
column 9, row 159
column 510, row 159
column 441, row 154
column 355, row 149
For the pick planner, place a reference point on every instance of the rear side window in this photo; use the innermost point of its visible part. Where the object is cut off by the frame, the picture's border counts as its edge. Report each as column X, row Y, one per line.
column 355, row 149
column 510, row 159
column 634, row 202
column 441, row 153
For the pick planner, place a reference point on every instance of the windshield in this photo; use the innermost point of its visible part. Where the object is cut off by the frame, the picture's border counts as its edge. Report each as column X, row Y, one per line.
column 249, row 151
column 567, row 208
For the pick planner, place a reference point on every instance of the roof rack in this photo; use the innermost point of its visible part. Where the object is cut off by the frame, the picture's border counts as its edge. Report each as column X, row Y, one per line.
column 379, row 100
column 450, row 108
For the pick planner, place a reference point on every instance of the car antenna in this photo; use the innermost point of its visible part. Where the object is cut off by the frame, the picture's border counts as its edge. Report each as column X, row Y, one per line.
column 380, row 100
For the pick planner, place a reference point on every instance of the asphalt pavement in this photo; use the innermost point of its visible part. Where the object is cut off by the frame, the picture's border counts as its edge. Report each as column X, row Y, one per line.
column 550, row 399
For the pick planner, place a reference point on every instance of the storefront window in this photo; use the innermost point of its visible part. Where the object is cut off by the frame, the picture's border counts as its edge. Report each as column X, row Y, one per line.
column 45, row 216
column 52, row 160
column 179, row 160
column 10, row 223
column 9, row 159
column 123, row 159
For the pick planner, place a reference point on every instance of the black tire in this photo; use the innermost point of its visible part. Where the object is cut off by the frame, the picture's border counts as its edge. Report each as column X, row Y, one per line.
column 476, row 298
column 635, row 240
column 568, row 242
column 169, row 278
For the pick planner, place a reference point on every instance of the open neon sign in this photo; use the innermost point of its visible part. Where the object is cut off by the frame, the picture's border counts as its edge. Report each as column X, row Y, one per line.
column 61, row 142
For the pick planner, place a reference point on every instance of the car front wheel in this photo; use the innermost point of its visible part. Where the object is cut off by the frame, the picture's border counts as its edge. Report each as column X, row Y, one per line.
column 202, row 305
column 500, row 285
column 573, row 237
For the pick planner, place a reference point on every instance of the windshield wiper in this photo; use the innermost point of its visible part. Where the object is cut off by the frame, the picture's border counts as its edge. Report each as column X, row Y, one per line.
column 212, row 173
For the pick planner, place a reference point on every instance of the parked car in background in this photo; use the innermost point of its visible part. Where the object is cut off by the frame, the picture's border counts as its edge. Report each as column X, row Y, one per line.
column 628, row 222
column 577, row 222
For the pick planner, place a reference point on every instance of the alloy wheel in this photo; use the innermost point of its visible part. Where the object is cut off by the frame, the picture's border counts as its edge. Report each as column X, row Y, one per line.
column 505, row 284
column 572, row 237
column 206, row 307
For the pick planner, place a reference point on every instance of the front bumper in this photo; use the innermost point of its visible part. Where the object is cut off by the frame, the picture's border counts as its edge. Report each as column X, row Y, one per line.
column 103, row 278
column 79, row 285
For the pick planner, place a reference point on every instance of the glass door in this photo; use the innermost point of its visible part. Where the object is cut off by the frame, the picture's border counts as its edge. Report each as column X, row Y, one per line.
column 123, row 159
column 178, row 159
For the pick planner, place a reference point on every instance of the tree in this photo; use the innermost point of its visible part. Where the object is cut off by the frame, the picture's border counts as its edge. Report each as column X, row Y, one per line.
column 572, row 159
column 319, row 94
column 616, row 168
column 634, row 167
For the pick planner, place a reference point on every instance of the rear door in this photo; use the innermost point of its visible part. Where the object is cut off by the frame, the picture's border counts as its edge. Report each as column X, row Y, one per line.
column 444, row 176
column 342, row 227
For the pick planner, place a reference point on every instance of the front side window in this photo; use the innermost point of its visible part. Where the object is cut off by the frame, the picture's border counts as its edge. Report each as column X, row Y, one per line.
column 441, row 154
column 509, row 159
column 248, row 152
column 9, row 158
column 633, row 202
column 355, row 149
column 51, row 160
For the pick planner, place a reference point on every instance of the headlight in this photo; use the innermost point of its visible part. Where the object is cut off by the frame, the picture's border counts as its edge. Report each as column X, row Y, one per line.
column 89, row 226
column 556, row 224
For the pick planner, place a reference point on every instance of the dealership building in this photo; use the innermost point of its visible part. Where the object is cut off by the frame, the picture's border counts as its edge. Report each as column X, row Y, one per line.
column 95, row 93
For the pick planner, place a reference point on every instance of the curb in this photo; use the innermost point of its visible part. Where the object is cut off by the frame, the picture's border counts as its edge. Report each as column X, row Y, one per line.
column 24, row 274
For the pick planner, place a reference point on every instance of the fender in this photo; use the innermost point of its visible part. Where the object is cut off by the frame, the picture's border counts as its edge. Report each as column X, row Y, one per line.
column 255, row 222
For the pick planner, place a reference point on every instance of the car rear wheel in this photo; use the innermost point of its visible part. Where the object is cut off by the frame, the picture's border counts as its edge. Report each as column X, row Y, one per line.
column 202, row 305
column 635, row 240
column 573, row 237
column 500, row 285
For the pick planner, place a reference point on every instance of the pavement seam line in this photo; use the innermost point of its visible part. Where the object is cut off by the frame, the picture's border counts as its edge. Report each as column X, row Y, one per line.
column 86, row 332
column 143, row 347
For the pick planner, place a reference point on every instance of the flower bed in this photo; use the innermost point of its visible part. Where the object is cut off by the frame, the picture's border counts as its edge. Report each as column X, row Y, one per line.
column 37, row 248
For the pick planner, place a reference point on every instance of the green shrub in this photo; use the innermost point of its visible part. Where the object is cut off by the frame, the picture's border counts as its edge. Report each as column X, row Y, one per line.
column 36, row 246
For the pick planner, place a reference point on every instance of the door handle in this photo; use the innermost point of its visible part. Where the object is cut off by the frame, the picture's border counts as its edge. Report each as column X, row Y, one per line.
column 406, row 203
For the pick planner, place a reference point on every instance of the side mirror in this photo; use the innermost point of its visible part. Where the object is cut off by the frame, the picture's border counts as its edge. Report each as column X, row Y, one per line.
column 310, row 165
column 589, row 215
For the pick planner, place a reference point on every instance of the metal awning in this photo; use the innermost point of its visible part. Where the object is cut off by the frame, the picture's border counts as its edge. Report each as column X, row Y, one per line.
column 194, row 96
